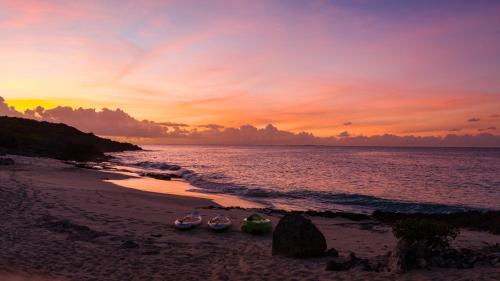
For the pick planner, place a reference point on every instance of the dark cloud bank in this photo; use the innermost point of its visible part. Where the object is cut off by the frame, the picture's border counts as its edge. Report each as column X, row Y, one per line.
column 117, row 123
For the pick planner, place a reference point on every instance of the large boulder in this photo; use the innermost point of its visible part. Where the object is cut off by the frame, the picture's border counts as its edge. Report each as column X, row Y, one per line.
column 296, row 236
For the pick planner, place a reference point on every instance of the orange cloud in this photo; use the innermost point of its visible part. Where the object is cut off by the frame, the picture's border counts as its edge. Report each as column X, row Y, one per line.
column 120, row 125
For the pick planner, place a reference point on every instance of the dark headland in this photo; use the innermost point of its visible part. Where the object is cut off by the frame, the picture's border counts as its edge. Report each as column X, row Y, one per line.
column 43, row 139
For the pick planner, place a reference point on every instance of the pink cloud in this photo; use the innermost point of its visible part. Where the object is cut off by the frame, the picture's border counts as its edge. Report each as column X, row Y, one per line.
column 104, row 122
column 118, row 123
column 6, row 110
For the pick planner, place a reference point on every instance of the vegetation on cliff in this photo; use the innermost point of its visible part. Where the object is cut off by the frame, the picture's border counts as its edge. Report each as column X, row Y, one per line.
column 34, row 138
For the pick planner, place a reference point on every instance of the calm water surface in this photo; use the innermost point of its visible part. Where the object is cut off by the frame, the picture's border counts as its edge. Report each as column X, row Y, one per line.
column 337, row 178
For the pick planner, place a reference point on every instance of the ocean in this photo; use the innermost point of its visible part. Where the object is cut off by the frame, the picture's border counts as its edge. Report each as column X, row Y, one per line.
column 321, row 178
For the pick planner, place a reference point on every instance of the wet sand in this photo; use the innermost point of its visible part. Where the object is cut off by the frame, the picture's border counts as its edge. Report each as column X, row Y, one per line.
column 181, row 188
column 59, row 222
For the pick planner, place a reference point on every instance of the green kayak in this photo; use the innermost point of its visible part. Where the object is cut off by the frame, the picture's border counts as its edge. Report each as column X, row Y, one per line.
column 255, row 224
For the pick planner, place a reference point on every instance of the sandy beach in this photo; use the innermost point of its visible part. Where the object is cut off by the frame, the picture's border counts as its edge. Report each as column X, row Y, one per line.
column 58, row 222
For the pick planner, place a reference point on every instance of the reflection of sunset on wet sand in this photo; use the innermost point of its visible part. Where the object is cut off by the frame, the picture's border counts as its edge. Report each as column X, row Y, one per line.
column 182, row 188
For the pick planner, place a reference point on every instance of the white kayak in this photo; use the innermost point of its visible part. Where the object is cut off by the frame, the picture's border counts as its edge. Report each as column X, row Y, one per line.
column 219, row 222
column 190, row 221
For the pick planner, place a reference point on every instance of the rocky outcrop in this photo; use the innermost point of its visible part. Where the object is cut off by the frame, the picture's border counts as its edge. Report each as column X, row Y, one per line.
column 478, row 220
column 296, row 236
column 466, row 258
column 418, row 256
column 407, row 257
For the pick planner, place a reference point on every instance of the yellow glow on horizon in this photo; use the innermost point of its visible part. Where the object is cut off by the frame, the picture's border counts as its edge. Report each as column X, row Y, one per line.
column 23, row 104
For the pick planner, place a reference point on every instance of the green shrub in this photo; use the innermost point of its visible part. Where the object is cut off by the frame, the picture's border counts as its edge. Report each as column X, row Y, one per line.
column 436, row 234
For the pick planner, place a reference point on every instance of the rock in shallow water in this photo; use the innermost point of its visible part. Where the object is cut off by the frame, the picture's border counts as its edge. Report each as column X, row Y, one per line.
column 296, row 236
column 165, row 177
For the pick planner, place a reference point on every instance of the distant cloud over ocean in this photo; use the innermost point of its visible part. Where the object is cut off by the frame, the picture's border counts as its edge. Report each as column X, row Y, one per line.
column 117, row 123
column 344, row 134
column 487, row 129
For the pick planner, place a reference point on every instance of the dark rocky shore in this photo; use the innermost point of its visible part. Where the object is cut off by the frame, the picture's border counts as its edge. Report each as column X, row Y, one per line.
column 474, row 220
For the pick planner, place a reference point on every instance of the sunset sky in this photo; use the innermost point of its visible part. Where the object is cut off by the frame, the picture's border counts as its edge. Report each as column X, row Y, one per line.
column 367, row 67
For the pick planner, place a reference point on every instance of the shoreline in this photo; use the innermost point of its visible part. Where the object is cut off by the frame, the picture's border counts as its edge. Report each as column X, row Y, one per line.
column 482, row 220
column 180, row 187
column 65, row 223
column 200, row 191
